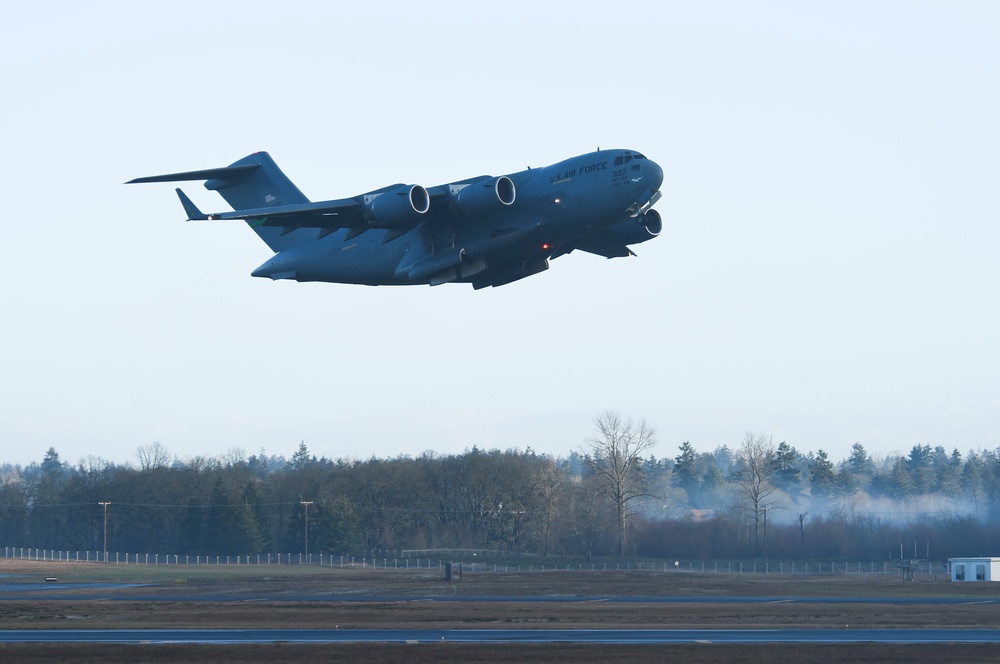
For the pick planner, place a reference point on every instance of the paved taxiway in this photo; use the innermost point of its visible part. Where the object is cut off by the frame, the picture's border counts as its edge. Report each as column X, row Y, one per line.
column 521, row 636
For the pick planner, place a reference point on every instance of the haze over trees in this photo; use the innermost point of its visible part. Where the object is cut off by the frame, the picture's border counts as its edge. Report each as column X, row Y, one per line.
column 614, row 498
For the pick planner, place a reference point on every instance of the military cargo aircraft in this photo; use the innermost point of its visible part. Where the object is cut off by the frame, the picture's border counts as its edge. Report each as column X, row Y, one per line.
column 484, row 231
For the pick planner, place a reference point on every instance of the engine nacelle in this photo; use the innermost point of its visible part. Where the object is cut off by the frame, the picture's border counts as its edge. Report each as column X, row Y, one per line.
column 396, row 206
column 652, row 222
column 638, row 229
column 484, row 196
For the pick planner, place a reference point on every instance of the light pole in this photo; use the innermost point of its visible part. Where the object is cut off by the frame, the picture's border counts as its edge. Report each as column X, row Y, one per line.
column 307, row 503
column 105, row 506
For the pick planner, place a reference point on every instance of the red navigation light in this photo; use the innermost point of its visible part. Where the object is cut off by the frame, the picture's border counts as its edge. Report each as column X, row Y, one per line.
column 546, row 246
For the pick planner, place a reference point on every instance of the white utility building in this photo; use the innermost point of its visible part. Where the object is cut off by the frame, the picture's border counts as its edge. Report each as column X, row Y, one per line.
column 974, row 569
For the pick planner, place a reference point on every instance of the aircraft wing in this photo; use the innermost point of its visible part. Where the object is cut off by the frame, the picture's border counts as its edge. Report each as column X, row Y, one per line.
column 334, row 214
column 409, row 206
column 329, row 216
column 444, row 191
column 396, row 208
column 452, row 199
column 323, row 214
column 353, row 213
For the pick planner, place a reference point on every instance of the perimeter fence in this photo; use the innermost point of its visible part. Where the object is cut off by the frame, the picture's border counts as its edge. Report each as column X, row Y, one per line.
column 909, row 568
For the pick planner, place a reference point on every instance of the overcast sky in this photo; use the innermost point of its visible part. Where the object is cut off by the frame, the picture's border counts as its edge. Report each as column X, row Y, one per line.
column 828, row 272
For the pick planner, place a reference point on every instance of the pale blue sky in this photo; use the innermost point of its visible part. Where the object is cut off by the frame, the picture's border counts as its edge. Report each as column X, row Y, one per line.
column 828, row 271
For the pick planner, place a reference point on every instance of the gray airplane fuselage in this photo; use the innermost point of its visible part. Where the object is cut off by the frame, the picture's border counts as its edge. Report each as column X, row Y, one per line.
column 485, row 231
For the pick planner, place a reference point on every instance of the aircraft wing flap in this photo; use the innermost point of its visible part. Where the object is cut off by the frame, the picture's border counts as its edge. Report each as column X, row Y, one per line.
column 329, row 216
column 322, row 208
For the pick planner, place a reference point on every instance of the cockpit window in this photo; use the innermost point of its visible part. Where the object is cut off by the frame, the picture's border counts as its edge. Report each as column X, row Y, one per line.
column 629, row 156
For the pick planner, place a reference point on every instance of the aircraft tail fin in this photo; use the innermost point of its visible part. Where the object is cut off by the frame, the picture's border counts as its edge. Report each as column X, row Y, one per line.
column 254, row 181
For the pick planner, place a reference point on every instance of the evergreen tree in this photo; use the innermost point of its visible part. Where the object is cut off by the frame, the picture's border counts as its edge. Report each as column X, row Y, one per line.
column 972, row 480
column 949, row 474
column 920, row 466
column 859, row 463
column 821, row 475
column 900, row 481
column 191, row 538
column 685, row 471
column 713, row 482
column 337, row 526
column 231, row 523
column 786, row 477
column 301, row 458
column 52, row 467
column 723, row 459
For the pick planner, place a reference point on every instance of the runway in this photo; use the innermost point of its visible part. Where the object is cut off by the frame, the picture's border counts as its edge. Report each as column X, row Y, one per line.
column 518, row 636
column 15, row 591
column 40, row 591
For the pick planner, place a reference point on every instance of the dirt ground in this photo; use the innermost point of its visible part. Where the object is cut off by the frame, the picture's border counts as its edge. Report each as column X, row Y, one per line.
column 311, row 597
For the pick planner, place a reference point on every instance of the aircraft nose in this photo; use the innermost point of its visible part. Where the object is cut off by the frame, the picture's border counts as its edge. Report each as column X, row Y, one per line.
column 653, row 174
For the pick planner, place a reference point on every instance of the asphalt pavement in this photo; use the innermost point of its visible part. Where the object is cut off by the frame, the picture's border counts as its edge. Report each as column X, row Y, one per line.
column 520, row 636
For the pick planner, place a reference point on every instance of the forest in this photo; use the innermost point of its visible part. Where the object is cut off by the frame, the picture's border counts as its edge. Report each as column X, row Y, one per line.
column 610, row 499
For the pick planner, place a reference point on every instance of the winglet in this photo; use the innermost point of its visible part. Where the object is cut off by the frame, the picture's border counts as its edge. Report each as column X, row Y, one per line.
column 193, row 213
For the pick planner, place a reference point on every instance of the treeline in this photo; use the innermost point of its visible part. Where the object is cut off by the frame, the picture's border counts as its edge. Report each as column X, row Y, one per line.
column 613, row 498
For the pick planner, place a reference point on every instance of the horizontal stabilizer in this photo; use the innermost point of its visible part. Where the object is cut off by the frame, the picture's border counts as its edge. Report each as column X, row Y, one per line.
column 226, row 173
column 193, row 213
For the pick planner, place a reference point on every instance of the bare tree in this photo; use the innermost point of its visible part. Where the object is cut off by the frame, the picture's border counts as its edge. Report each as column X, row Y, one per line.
column 154, row 455
column 586, row 515
column 234, row 456
column 548, row 478
column 616, row 453
column 802, row 530
column 757, row 468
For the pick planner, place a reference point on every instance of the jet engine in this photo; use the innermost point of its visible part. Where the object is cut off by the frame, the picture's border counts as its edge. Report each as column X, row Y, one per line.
column 484, row 196
column 613, row 242
column 397, row 205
